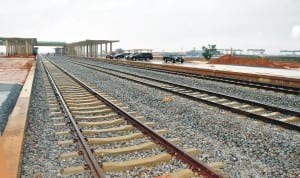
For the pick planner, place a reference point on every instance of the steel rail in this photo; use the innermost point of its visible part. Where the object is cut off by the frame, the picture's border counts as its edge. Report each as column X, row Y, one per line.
column 253, row 84
column 92, row 163
column 235, row 110
column 174, row 150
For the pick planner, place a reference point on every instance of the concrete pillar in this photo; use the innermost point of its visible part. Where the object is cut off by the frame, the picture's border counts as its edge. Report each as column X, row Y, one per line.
column 110, row 47
column 14, row 49
column 83, row 50
column 7, row 47
column 93, row 50
column 17, row 49
column 101, row 50
column 97, row 47
column 87, row 51
column 27, row 48
column 105, row 48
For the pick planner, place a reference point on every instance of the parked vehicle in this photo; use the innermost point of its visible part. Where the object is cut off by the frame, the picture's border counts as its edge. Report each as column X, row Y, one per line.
column 121, row 55
column 109, row 56
column 141, row 56
column 173, row 59
column 128, row 57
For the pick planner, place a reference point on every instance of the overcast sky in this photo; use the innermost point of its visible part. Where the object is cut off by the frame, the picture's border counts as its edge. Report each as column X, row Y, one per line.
column 158, row 24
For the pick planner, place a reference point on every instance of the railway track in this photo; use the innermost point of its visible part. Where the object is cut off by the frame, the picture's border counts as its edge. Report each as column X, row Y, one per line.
column 286, row 118
column 250, row 84
column 98, row 122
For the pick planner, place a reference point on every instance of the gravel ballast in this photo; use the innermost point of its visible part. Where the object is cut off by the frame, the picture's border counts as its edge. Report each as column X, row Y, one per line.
column 40, row 150
column 248, row 148
column 283, row 100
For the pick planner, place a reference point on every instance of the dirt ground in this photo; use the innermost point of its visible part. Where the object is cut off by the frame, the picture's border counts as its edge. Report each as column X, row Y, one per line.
column 258, row 62
column 14, row 70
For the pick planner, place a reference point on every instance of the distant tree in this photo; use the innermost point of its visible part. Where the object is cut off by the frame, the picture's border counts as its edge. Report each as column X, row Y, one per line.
column 209, row 52
column 120, row 50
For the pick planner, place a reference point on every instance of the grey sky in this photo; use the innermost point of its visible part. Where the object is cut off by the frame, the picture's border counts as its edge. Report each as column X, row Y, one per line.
column 158, row 24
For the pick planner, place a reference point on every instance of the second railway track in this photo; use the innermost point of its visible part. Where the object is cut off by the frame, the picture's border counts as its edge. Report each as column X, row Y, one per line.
column 250, row 84
column 96, row 119
column 271, row 114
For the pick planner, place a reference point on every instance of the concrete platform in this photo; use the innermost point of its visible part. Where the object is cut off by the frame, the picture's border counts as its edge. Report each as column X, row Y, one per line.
column 288, row 73
column 283, row 77
column 21, row 72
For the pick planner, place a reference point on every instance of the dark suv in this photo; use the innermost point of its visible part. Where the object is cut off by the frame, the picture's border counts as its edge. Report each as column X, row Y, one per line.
column 122, row 55
column 141, row 56
column 173, row 58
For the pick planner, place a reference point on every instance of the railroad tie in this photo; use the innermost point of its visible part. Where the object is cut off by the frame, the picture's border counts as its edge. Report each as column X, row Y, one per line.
column 241, row 106
column 54, row 109
column 55, row 114
column 53, row 104
column 118, row 151
column 70, row 96
column 291, row 119
column 60, row 124
column 271, row 114
column 201, row 95
column 114, row 129
column 85, row 104
column 77, row 100
column 58, row 118
column 255, row 110
column 107, row 140
column 101, row 111
column 107, row 116
column 188, row 92
column 220, row 100
column 230, row 103
column 209, row 98
column 87, row 107
column 110, row 122
column 125, row 165
column 180, row 90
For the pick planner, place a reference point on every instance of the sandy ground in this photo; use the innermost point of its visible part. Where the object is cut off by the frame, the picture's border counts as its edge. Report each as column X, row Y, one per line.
column 14, row 70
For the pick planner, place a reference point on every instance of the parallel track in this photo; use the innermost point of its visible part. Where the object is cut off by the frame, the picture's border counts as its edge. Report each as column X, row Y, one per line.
column 82, row 106
column 250, row 84
column 267, row 113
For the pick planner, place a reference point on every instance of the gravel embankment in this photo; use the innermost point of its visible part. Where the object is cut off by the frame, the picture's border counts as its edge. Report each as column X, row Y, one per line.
column 248, row 148
column 275, row 98
column 9, row 103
